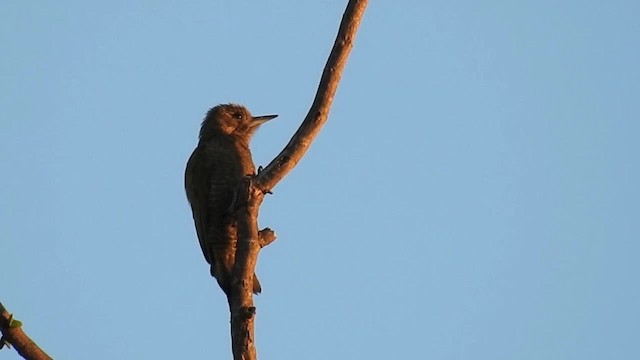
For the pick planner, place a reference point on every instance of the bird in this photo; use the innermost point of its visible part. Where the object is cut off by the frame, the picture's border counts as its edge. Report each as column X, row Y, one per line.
column 219, row 162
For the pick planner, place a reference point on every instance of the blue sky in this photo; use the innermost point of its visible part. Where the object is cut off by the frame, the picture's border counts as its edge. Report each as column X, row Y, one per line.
column 473, row 195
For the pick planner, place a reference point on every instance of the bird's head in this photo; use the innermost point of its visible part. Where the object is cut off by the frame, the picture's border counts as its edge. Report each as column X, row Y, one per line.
column 231, row 120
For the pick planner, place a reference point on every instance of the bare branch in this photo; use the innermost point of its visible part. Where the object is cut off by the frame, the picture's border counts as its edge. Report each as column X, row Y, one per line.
column 12, row 333
column 241, row 295
column 250, row 240
column 317, row 115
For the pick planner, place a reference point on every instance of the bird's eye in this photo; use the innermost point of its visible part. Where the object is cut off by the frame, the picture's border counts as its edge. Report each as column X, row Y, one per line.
column 238, row 116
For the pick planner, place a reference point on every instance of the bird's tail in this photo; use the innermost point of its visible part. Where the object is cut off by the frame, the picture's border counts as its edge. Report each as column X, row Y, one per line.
column 257, row 289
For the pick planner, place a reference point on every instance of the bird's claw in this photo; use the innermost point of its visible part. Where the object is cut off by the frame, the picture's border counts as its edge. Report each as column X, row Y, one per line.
column 261, row 169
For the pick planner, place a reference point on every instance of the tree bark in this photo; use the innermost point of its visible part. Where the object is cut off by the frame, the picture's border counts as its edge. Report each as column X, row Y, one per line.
column 250, row 240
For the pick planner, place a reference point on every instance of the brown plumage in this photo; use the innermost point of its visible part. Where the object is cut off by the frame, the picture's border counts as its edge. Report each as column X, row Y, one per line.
column 213, row 172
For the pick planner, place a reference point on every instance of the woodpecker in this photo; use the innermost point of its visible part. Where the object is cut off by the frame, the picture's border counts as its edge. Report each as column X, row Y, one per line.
column 217, row 165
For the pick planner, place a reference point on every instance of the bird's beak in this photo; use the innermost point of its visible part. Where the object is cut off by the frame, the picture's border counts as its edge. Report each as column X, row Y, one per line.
column 257, row 120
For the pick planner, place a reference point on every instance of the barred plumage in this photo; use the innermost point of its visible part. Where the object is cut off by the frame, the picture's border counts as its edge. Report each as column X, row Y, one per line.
column 221, row 159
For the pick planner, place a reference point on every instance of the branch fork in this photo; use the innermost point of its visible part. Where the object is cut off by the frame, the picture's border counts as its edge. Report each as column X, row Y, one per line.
column 254, row 188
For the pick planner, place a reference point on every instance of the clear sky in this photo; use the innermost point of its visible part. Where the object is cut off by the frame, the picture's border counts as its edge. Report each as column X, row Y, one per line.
column 474, row 194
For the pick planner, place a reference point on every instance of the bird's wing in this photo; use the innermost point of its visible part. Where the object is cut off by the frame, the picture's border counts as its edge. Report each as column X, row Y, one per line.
column 196, row 183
